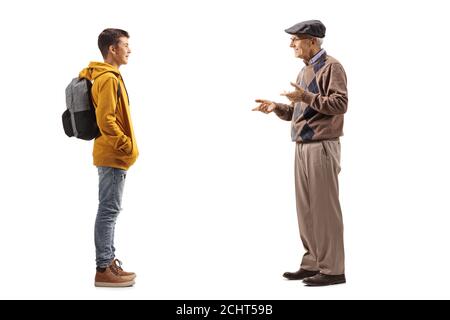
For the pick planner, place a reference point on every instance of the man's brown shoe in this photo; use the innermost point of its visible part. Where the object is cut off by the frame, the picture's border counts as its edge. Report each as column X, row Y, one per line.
column 109, row 277
column 321, row 279
column 117, row 264
column 300, row 274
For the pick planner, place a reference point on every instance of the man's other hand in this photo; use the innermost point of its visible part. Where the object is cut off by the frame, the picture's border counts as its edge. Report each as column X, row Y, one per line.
column 265, row 106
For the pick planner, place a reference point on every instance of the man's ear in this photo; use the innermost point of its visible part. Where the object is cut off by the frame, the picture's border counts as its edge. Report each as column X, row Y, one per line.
column 112, row 49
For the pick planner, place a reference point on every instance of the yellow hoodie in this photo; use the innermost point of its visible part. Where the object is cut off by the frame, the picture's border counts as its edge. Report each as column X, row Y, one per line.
column 116, row 145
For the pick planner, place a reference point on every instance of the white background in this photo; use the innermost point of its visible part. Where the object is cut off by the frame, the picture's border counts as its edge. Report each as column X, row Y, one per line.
column 209, row 207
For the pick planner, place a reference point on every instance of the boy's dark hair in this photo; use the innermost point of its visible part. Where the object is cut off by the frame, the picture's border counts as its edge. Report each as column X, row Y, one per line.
column 110, row 37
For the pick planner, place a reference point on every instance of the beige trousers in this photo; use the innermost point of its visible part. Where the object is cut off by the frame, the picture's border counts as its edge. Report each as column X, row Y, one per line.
column 317, row 166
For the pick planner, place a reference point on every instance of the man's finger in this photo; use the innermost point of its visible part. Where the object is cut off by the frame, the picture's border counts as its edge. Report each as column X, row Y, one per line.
column 296, row 86
column 261, row 101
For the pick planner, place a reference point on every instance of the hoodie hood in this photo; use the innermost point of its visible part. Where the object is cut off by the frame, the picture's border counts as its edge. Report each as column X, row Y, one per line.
column 96, row 69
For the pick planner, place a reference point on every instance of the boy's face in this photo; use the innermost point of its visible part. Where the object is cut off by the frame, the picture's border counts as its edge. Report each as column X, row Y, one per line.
column 121, row 51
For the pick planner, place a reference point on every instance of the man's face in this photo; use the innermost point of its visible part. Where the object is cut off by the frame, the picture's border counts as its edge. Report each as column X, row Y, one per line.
column 121, row 51
column 302, row 46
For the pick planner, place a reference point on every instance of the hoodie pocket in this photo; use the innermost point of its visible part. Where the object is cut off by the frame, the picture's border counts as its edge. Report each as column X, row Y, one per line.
column 125, row 147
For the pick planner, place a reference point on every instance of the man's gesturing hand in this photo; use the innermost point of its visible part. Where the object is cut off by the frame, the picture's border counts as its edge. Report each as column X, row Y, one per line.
column 295, row 96
column 265, row 106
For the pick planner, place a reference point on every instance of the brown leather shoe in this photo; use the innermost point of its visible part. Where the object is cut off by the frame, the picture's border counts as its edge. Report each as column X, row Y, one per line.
column 300, row 274
column 111, row 278
column 117, row 264
column 321, row 279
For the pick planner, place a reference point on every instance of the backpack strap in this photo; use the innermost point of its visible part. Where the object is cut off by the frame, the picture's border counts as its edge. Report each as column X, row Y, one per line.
column 119, row 91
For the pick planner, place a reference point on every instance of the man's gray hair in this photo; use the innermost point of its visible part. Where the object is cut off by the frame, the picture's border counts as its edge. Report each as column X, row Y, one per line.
column 319, row 41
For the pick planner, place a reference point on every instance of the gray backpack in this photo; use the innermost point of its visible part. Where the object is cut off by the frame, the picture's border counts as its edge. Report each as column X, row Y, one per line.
column 79, row 119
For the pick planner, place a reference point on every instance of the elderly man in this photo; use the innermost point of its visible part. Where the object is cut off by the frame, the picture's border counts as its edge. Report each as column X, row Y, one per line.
column 316, row 112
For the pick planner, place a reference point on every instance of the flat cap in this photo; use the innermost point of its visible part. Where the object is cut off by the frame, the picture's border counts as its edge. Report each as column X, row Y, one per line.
column 313, row 28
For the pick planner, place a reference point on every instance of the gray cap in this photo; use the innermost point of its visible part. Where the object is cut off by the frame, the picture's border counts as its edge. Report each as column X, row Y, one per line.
column 313, row 28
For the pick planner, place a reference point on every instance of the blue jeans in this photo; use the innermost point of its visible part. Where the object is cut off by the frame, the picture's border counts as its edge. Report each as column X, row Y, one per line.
column 110, row 190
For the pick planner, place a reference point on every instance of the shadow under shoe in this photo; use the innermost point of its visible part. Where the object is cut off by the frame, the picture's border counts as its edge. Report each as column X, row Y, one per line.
column 109, row 277
column 320, row 280
column 117, row 265
column 300, row 274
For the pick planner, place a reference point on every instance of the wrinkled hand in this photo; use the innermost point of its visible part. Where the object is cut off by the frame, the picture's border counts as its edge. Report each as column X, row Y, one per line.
column 296, row 95
column 265, row 106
